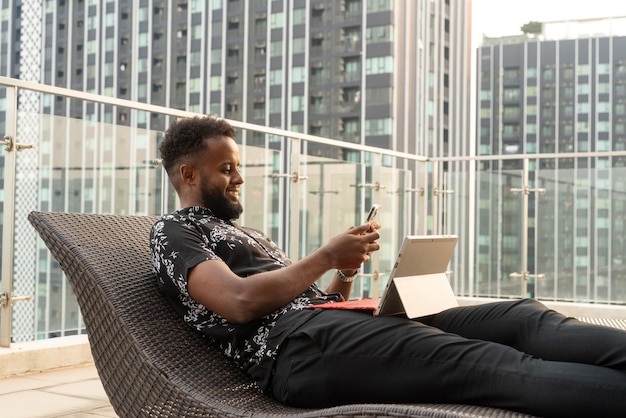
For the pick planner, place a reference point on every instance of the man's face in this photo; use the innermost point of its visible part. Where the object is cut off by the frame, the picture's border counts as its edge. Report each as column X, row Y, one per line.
column 220, row 178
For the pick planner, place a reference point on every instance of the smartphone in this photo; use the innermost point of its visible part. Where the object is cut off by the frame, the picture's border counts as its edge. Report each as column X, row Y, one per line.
column 372, row 214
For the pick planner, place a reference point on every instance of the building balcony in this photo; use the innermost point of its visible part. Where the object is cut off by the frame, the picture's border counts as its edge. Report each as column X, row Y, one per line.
column 92, row 164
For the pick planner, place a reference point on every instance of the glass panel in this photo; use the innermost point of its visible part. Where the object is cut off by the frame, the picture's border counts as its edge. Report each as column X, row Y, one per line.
column 260, row 192
column 498, row 231
column 338, row 195
column 395, row 215
column 580, row 232
column 78, row 165
column 457, row 220
column 330, row 202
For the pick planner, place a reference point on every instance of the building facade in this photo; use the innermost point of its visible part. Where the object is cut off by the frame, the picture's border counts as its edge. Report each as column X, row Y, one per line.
column 394, row 75
column 562, row 101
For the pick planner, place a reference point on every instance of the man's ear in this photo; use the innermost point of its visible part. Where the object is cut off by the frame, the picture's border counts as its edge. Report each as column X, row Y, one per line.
column 187, row 173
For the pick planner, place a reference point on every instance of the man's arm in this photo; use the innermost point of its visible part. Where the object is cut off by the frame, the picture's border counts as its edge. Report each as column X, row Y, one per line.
column 241, row 300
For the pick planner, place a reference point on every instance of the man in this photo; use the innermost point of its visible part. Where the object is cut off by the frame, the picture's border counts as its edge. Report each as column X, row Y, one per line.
column 234, row 285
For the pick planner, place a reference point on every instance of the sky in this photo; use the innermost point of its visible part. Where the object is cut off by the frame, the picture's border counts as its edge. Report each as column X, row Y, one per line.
column 504, row 17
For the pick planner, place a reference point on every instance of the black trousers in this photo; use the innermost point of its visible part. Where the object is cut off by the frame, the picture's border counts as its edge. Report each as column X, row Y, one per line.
column 515, row 355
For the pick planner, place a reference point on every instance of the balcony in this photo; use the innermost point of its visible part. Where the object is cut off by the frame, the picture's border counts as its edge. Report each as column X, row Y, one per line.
column 308, row 192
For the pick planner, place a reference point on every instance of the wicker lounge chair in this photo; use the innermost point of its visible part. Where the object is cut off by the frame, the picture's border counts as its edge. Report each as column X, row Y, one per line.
column 150, row 363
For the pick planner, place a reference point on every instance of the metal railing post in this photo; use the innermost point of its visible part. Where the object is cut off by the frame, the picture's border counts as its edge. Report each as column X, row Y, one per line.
column 525, row 190
column 8, row 220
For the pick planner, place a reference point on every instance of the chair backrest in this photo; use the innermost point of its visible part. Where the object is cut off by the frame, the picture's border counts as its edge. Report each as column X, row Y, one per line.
column 150, row 363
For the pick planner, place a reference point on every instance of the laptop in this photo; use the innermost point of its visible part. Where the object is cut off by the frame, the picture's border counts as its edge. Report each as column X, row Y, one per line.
column 418, row 284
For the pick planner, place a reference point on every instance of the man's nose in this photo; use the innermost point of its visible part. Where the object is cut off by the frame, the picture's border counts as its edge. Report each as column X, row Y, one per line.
column 238, row 178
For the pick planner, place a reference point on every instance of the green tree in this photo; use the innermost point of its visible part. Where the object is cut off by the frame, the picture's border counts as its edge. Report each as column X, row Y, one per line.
column 532, row 28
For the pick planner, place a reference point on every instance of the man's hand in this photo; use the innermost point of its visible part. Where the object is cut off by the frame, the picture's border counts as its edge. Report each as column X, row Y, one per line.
column 349, row 250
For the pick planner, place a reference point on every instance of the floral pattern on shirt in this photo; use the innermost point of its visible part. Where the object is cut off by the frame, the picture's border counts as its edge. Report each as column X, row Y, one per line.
column 187, row 237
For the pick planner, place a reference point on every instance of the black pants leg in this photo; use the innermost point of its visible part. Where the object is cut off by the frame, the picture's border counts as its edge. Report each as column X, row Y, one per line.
column 529, row 326
column 341, row 357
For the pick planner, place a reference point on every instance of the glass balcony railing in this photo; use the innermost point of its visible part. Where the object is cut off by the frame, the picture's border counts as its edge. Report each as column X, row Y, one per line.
column 527, row 225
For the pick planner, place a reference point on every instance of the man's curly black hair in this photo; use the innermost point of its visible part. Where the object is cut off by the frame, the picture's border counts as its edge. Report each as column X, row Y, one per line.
column 185, row 137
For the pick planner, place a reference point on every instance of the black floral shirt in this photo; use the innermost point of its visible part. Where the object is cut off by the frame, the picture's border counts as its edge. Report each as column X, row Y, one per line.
column 189, row 236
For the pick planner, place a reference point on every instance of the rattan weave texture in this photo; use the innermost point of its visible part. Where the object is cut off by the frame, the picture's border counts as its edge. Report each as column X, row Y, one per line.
column 150, row 363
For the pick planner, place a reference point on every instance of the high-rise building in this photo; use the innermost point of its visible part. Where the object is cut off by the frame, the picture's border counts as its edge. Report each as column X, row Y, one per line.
column 559, row 96
column 390, row 74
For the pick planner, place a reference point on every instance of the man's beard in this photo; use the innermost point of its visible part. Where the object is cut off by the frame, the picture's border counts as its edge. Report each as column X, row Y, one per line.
column 221, row 206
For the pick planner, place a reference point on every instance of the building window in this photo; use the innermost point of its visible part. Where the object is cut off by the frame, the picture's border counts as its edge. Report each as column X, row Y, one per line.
column 548, row 74
column 297, row 103
column 511, row 112
column 298, row 74
column 511, row 74
column 568, row 129
column 379, row 5
column 276, row 48
column 604, row 68
column 317, row 102
column 195, row 85
column 603, row 107
column 259, row 50
column 568, row 73
column 260, row 25
column 568, row 92
column 547, row 112
column 232, row 107
column 604, row 88
column 143, row 40
column 378, row 126
column 547, row 93
column 216, row 57
column 568, row 110
column 603, row 126
column 317, row 40
column 232, row 79
column 299, row 16
column 379, row 65
column 216, row 83
column 511, row 130
column 276, row 105
column 195, row 59
column 317, row 72
column 216, row 28
column 277, row 20
column 276, row 77
column 511, row 94
column 233, row 24
column 299, row 45
column 380, row 34
column 259, row 80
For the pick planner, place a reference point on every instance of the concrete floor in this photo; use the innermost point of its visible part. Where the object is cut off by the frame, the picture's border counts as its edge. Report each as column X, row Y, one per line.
column 51, row 378
column 74, row 392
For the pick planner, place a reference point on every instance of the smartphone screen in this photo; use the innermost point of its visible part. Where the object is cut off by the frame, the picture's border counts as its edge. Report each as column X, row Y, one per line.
column 372, row 214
